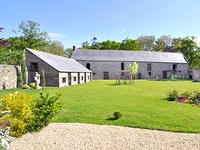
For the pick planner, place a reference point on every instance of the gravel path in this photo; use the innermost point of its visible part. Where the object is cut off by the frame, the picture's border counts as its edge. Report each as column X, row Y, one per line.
column 69, row 136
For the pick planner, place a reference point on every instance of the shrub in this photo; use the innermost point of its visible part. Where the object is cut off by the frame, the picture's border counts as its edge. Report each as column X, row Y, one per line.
column 117, row 114
column 19, row 79
column 172, row 77
column 32, row 85
column 23, row 68
column 20, row 112
column 45, row 108
column 26, row 86
column 173, row 95
column 43, row 80
column 172, row 98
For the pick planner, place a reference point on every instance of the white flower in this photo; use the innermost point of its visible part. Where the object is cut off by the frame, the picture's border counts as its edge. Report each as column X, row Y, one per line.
column 16, row 92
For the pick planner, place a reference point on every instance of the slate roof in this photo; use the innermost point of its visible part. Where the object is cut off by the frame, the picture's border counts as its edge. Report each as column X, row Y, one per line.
column 60, row 63
column 119, row 55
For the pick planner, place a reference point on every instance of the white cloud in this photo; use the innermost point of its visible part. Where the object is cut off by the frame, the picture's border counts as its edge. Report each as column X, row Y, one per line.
column 57, row 35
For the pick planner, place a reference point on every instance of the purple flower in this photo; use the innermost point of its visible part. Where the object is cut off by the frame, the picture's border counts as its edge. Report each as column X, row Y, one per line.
column 180, row 100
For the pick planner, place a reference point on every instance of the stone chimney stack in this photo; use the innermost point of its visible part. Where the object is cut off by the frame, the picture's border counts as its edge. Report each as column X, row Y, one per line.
column 74, row 48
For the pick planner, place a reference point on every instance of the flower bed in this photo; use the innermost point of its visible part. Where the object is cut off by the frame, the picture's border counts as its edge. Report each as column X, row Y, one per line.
column 186, row 97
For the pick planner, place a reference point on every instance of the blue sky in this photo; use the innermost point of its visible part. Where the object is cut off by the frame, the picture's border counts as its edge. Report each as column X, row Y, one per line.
column 75, row 21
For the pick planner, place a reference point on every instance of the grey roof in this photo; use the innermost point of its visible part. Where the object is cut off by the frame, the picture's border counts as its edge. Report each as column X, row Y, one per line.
column 60, row 63
column 119, row 55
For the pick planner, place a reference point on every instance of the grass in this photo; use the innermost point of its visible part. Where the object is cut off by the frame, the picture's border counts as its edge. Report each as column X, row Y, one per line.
column 143, row 104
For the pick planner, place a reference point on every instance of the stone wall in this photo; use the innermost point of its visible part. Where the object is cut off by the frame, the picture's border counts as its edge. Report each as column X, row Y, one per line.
column 99, row 67
column 195, row 74
column 8, row 76
column 51, row 75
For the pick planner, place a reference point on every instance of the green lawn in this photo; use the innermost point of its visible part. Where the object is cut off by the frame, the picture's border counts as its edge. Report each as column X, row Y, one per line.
column 143, row 104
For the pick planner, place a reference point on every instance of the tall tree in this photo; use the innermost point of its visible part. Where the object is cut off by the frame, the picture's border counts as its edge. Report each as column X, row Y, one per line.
column 54, row 47
column 189, row 48
column 130, row 44
column 32, row 35
column 163, row 44
column 146, row 42
column 109, row 45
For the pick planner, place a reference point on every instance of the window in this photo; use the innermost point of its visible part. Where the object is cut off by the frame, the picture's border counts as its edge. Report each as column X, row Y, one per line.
column 148, row 66
column 88, row 77
column 174, row 66
column 81, row 77
column 63, row 80
column 88, row 66
column 122, row 66
column 149, row 73
column 74, row 78
column 34, row 67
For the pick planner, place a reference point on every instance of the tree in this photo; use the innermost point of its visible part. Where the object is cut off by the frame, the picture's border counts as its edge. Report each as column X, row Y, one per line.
column 95, row 44
column 86, row 45
column 189, row 48
column 130, row 44
column 19, row 79
column 133, row 70
column 69, row 52
column 54, row 47
column 23, row 68
column 146, row 42
column 32, row 35
column 2, row 42
column 163, row 44
column 109, row 45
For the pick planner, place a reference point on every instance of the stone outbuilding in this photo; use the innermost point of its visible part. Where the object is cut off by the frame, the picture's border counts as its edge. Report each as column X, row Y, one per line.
column 59, row 71
column 105, row 64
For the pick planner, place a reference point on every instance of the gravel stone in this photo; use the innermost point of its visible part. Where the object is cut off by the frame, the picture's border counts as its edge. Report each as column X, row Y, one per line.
column 69, row 136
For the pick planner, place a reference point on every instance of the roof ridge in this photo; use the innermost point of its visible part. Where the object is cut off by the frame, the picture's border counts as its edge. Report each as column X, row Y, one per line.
column 126, row 51
column 48, row 53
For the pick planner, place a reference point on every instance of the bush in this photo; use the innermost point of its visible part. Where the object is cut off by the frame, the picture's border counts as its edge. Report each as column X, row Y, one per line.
column 173, row 95
column 45, row 108
column 172, row 98
column 32, row 85
column 43, row 80
column 23, row 68
column 19, row 79
column 117, row 114
column 26, row 86
column 20, row 112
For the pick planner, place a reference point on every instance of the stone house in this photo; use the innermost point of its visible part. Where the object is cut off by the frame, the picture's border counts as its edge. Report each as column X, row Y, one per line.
column 105, row 64
column 59, row 71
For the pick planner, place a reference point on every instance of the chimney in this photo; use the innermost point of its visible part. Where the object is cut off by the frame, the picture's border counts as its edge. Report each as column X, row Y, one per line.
column 74, row 48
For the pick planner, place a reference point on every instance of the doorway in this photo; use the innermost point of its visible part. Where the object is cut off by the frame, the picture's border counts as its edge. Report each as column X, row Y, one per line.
column 105, row 75
column 164, row 74
column 69, row 78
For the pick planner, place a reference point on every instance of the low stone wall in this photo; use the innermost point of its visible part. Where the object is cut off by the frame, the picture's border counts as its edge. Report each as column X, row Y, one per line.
column 8, row 76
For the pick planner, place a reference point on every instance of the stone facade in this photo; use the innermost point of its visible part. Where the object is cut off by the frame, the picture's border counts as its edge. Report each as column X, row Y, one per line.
column 53, row 77
column 195, row 74
column 156, row 71
column 8, row 76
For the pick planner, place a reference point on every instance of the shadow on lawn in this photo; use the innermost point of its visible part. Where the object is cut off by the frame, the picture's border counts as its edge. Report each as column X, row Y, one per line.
column 111, row 119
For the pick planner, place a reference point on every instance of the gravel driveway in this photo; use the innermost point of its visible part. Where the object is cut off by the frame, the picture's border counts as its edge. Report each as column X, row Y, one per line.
column 69, row 136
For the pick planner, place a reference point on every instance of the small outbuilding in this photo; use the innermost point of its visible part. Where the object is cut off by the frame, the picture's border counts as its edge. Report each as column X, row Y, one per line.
column 59, row 71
